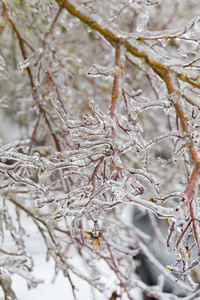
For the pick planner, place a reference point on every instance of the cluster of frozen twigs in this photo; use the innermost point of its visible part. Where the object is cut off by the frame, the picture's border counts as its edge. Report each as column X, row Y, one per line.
column 107, row 97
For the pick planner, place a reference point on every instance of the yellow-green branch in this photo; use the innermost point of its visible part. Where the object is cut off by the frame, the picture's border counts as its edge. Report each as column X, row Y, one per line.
column 113, row 39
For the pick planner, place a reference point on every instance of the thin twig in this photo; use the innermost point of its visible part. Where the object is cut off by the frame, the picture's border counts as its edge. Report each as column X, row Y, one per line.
column 117, row 84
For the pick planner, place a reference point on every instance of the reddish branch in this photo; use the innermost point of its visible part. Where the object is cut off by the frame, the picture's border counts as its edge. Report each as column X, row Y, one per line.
column 53, row 24
column 24, row 54
column 194, row 223
column 190, row 190
column 4, row 17
column 117, row 79
column 173, row 86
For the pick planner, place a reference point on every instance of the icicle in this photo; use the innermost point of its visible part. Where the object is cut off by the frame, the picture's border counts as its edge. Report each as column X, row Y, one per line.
column 143, row 18
column 3, row 210
column 3, row 71
column 164, row 40
column 25, row 64
column 58, row 108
